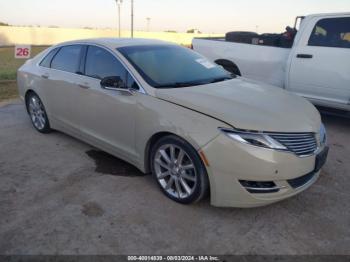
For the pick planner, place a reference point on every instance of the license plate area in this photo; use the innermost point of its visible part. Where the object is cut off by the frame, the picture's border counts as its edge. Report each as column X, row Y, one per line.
column 321, row 159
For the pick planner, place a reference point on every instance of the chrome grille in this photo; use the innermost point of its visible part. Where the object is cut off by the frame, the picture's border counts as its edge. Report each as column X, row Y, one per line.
column 302, row 144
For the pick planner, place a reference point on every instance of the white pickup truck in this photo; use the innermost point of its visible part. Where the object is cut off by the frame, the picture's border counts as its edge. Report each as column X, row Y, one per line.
column 313, row 61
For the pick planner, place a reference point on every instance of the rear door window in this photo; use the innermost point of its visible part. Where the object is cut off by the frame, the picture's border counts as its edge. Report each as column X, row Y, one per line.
column 46, row 62
column 67, row 59
column 331, row 32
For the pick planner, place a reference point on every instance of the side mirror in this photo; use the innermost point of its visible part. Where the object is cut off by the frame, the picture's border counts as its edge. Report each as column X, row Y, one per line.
column 113, row 82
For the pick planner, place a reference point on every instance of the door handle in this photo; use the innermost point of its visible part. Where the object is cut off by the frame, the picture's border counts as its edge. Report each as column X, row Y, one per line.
column 304, row 56
column 45, row 76
column 83, row 86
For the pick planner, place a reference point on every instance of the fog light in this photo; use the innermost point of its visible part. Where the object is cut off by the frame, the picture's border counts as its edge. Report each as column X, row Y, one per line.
column 259, row 187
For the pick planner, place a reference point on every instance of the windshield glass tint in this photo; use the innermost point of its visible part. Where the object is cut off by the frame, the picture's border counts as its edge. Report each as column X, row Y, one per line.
column 165, row 66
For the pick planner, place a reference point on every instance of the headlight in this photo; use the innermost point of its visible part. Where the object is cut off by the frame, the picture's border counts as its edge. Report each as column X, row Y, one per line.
column 323, row 135
column 254, row 139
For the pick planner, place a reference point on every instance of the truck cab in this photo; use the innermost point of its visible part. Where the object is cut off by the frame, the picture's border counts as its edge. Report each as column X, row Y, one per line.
column 319, row 62
column 314, row 62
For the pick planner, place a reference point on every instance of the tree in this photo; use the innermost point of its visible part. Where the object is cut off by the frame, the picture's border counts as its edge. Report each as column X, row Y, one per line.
column 4, row 24
column 193, row 31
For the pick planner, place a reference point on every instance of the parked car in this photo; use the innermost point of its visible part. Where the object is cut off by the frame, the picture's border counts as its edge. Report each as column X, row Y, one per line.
column 172, row 113
column 313, row 62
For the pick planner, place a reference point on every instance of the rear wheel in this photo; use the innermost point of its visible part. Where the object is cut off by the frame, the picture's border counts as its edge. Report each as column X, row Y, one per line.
column 37, row 113
column 179, row 170
column 228, row 66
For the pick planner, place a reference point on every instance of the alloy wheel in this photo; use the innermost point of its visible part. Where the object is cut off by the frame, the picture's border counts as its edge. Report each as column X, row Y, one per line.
column 175, row 171
column 37, row 112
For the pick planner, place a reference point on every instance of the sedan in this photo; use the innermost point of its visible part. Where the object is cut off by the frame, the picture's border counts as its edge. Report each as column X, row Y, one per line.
column 169, row 111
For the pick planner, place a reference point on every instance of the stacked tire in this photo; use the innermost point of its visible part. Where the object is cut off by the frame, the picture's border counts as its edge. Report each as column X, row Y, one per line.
column 241, row 37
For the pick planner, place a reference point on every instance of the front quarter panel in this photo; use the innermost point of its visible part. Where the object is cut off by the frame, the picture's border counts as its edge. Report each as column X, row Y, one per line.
column 157, row 116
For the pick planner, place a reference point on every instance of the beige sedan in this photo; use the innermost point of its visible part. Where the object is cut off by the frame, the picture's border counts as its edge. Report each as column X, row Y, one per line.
column 170, row 112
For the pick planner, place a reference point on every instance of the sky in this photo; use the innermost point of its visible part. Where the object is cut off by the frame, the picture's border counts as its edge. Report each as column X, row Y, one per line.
column 209, row 16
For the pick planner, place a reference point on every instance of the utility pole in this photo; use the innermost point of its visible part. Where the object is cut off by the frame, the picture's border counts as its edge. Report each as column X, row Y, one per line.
column 148, row 23
column 119, row 3
column 132, row 18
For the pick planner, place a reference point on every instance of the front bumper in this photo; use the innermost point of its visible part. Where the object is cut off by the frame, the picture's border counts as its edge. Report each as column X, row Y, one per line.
column 231, row 162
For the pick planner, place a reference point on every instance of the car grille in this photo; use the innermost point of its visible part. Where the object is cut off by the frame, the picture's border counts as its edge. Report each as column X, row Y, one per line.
column 302, row 144
column 300, row 181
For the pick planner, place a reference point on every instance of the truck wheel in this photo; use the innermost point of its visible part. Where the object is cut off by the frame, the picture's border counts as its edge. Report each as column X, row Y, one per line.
column 229, row 66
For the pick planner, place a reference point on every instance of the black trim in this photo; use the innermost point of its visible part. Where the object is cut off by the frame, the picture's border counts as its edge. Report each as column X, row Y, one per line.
column 58, row 50
column 82, row 64
column 300, row 181
column 265, row 186
column 304, row 56
column 54, row 51
column 321, row 159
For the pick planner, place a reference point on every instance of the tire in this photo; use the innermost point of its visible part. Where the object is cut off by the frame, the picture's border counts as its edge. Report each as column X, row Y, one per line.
column 241, row 37
column 183, row 177
column 229, row 66
column 270, row 39
column 37, row 113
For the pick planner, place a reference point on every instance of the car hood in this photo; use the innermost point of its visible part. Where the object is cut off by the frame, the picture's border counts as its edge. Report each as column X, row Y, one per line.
column 247, row 104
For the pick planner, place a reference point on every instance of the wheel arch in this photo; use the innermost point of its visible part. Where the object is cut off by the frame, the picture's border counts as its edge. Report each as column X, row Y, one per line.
column 26, row 95
column 206, row 189
column 153, row 139
column 229, row 66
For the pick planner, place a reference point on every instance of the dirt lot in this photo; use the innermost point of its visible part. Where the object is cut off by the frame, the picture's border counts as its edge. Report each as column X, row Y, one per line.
column 8, row 90
column 60, row 196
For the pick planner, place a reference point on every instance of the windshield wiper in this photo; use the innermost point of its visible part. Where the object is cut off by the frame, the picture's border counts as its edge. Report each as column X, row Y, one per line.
column 195, row 83
column 221, row 79
column 180, row 84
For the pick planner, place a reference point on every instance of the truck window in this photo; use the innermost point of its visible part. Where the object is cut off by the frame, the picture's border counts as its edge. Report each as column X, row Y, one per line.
column 331, row 32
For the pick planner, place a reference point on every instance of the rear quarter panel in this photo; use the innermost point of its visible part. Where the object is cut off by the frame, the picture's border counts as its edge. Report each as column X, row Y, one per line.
column 29, row 77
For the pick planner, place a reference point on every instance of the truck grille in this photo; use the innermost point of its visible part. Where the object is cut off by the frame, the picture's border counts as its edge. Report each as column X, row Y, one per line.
column 302, row 144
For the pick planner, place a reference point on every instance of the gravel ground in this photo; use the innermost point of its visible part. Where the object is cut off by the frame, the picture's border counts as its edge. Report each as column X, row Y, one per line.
column 61, row 196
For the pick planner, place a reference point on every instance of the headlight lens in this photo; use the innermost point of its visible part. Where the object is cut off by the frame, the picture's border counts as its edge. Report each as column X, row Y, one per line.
column 255, row 139
column 323, row 135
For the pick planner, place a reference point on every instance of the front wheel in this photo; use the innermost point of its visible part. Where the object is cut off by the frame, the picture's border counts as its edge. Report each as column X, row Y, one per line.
column 179, row 170
column 37, row 113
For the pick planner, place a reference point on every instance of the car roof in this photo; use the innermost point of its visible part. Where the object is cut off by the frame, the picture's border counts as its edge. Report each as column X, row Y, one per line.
column 329, row 14
column 118, row 42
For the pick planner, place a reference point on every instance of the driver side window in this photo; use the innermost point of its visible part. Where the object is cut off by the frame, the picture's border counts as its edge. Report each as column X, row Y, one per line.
column 100, row 64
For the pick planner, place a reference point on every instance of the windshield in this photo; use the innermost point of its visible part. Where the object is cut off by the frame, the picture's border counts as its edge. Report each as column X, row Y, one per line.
column 169, row 66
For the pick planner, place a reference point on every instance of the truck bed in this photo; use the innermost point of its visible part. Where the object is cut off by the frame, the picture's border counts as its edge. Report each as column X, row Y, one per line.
column 258, row 62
